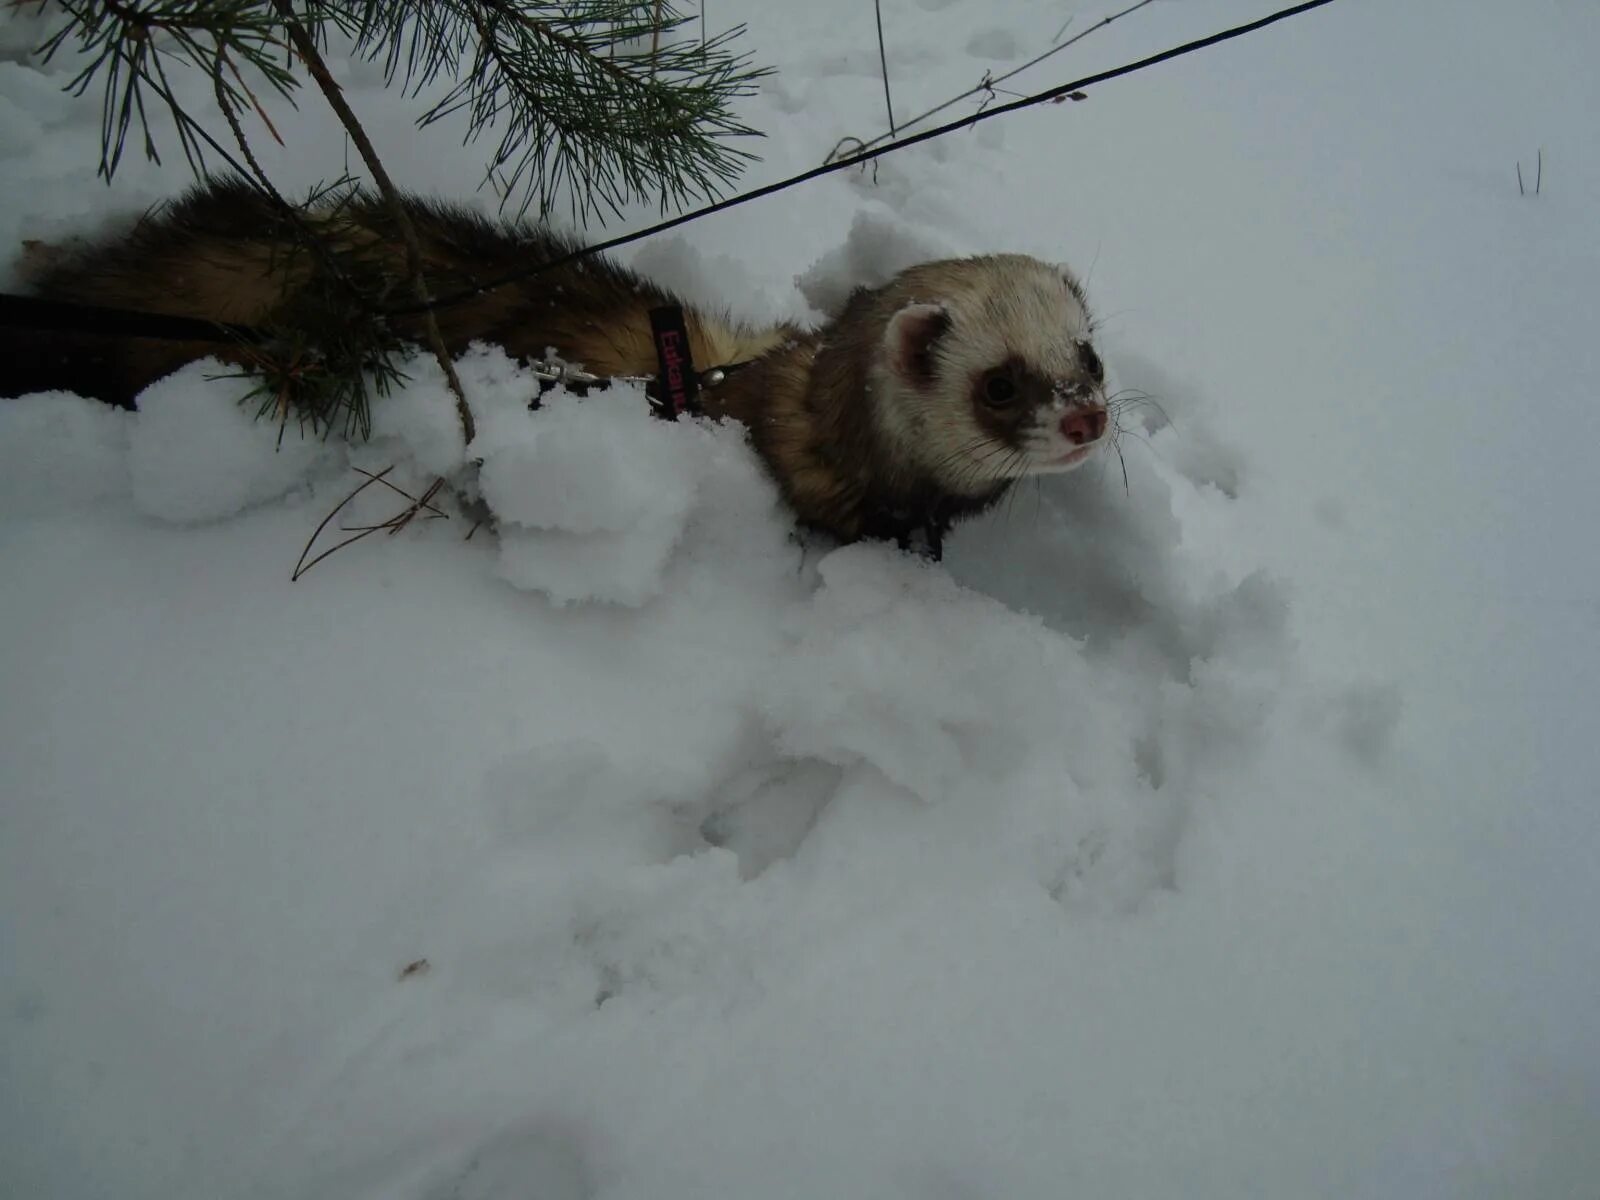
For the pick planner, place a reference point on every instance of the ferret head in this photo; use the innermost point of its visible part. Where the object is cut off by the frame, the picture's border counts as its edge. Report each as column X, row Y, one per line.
column 985, row 371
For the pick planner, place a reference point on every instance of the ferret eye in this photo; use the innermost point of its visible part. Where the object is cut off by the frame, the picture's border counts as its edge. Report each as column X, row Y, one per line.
column 999, row 391
column 1091, row 362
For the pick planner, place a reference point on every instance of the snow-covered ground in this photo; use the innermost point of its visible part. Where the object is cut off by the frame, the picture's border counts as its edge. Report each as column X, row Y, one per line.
column 1231, row 834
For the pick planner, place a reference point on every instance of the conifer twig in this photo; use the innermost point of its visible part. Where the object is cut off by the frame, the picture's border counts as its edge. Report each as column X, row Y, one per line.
column 225, row 103
column 307, row 50
column 591, row 101
column 254, row 102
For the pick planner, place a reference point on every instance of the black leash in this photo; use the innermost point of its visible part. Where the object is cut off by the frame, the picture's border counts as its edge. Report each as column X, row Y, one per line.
column 680, row 395
column 61, row 316
column 866, row 156
column 29, row 312
column 673, row 392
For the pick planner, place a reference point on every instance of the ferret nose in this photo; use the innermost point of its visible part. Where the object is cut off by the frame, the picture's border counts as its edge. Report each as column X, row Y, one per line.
column 1084, row 425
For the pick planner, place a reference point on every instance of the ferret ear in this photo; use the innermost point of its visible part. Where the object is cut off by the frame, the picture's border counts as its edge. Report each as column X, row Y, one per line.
column 1076, row 288
column 910, row 339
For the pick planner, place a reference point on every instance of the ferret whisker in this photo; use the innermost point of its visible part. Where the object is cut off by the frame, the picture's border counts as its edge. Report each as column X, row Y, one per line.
column 1011, row 499
column 1141, row 435
column 963, row 453
column 1118, row 429
column 1139, row 400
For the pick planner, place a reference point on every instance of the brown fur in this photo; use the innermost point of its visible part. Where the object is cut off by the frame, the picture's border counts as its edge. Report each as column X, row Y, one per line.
column 811, row 421
column 217, row 253
column 817, row 404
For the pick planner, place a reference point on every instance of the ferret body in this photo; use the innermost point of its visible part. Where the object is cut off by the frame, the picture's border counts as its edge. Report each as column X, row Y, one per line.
column 920, row 403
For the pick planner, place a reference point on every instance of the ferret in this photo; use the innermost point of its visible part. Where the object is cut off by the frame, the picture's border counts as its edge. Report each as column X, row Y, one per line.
column 919, row 404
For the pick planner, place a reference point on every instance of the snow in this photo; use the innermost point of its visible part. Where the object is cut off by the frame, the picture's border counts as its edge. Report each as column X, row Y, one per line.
column 1225, row 827
column 590, row 484
column 59, row 451
column 245, row 462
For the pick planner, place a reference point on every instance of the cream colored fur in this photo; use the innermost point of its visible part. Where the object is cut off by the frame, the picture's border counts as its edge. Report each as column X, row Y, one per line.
column 1002, row 306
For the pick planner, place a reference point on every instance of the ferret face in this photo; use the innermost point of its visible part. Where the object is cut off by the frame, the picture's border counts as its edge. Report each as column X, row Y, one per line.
column 992, row 371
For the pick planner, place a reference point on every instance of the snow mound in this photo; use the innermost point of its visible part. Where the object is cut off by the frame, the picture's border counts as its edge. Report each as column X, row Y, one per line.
column 935, row 686
column 198, row 453
column 880, row 245
column 60, row 451
column 705, row 278
column 418, row 420
column 591, row 464
column 593, row 495
column 621, row 568
column 1082, row 863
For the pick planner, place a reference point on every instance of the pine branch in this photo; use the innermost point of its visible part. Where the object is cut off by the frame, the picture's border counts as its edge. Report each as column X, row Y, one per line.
column 306, row 48
column 225, row 101
column 126, row 42
column 579, row 115
column 579, row 111
column 293, row 377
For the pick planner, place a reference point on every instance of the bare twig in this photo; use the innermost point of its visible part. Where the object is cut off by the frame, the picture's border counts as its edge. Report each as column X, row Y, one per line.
column 418, row 503
column 848, row 140
column 987, row 83
column 306, row 48
column 1538, row 175
column 399, row 521
column 839, row 150
column 301, row 567
column 883, row 63
column 400, row 491
column 422, row 503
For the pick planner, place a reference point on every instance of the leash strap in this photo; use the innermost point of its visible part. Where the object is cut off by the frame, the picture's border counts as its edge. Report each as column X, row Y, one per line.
column 676, row 389
column 35, row 312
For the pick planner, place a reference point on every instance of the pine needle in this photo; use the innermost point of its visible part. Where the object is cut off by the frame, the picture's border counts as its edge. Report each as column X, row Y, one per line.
column 393, row 525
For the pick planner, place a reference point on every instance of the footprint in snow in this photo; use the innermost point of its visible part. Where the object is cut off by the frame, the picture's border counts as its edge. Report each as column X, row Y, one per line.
column 540, row 1161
